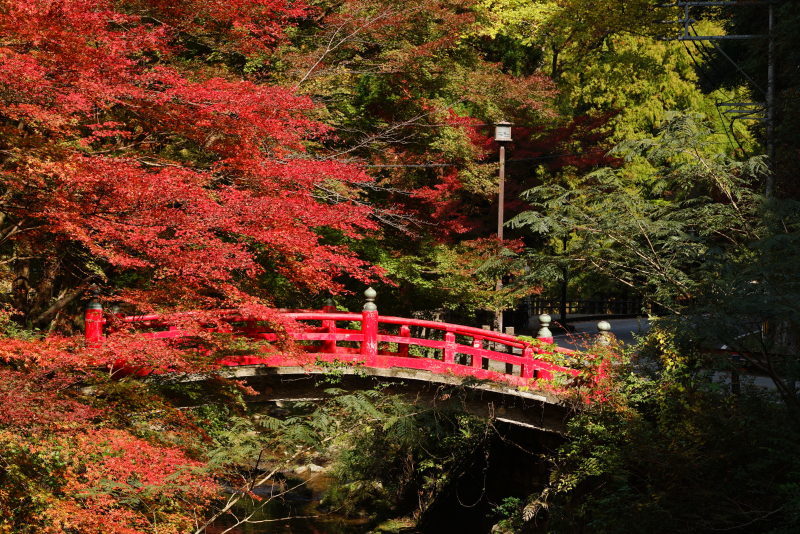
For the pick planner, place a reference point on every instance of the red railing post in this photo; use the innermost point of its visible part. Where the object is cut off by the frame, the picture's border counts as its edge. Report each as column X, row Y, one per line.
column 449, row 355
column 402, row 348
column 369, row 329
column 477, row 343
column 527, row 370
column 329, row 346
column 485, row 361
column 93, row 322
column 510, row 350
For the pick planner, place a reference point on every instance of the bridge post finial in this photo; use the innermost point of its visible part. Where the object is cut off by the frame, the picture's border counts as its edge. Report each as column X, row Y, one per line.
column 544, row 333
column 603, row 333
column 370, row 295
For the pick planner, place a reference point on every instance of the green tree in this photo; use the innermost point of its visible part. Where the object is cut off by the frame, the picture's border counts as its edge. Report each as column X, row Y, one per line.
column 745, row 62
column 656, row 223
column 672, row 451
column 694, row 237
column 608, row 57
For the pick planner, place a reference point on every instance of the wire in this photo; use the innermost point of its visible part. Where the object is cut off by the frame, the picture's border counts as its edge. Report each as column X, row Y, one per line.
column 702, row 48
column 420, row 165
column 430, row 165
column 535, row 158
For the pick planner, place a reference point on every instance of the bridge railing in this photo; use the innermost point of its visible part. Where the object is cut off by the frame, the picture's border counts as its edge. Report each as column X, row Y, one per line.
column 386, row 341
column 377, row 341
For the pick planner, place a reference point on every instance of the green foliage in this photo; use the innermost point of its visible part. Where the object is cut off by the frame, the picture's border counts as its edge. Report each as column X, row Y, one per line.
column 462, row 277
column 654, row 232
column 606, row 57
column 751, row 304
column 421, row 452
column 694, row 237
column 671, row 451
column 509, row 512
column 11, row 328
column 386, row 453
column 752, row 59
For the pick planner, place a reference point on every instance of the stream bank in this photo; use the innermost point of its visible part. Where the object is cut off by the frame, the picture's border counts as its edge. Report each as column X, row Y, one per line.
column 495, row 485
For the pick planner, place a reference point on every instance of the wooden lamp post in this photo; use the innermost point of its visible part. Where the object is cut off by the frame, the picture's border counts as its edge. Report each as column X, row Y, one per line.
column 502, row 135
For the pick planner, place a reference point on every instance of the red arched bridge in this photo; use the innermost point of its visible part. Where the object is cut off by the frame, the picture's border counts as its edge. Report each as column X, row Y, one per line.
column 372, row 341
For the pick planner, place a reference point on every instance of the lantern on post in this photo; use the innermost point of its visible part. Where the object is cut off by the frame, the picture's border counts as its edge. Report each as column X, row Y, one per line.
column 502, row 131
column 502, row 135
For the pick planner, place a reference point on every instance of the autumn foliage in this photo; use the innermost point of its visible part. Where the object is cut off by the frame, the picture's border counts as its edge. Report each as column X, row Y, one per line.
column 119, row 155
column 76, row 462
column 129, row 158
column 196, row 155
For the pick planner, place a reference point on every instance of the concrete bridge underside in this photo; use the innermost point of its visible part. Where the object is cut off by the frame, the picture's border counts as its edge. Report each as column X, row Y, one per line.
column 532, row 409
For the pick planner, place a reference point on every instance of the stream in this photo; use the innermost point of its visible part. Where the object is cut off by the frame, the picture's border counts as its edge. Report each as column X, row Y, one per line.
column 512, row 468
column 296, row 512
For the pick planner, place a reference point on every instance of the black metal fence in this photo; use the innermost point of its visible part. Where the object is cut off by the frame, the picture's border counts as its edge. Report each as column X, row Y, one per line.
column 605, row 306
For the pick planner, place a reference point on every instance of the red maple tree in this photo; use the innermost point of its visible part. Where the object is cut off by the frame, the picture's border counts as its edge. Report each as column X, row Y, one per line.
column 138, row 150
column 134, row 153
column 124, row 155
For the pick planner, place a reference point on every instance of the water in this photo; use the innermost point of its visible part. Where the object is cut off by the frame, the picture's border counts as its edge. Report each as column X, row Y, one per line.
column 296, row 512
column 511, row 467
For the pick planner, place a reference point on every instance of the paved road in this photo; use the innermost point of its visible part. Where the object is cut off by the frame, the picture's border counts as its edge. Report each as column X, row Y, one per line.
column 585, row 331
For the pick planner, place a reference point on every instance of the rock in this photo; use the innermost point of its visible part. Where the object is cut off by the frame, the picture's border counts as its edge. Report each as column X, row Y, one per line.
column 499, row 529
column 310, row 468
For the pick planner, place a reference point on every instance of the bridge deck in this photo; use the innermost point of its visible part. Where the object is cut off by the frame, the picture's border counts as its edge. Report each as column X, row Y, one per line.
column 538, row 410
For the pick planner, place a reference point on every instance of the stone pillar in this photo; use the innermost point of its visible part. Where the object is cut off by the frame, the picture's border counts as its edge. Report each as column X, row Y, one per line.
column 604, row 335
column 544, row 334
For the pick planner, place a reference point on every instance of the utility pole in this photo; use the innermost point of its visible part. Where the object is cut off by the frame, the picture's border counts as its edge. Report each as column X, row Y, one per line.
column 770, row 186
column 748, row 107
